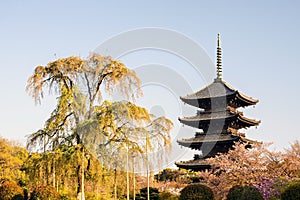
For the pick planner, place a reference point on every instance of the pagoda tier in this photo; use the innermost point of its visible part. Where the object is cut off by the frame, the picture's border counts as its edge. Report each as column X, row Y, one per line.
column 212, row 121
column 218, row 94
column 209, row 142
column 199, row 163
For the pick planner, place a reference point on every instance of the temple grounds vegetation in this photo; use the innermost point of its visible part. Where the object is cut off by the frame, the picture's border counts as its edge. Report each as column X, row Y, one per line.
column 244, row 192
column 91, row 148
column 274, row 175
column 196, row 192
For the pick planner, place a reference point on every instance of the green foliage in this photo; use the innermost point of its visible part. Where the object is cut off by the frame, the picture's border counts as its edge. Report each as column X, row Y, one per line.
column 83, row 126
column 167, row 175
column 64, row 197
column 196, row 192
column 235, row 192
column 12, row 157
column 243, row 193
column 44, row 193
column 77, row 82
column 167, row 196
column 11, row 191
column 292, row 192
column 154, row 194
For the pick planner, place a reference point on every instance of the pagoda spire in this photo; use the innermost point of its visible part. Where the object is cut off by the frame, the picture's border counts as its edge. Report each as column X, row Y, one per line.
column 219, row 59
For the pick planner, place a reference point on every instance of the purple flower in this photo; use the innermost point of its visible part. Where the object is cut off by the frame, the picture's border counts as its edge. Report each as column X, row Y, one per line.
column 266, row 187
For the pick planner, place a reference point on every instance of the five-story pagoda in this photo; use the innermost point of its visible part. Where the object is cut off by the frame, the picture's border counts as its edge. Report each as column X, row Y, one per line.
column 217, row 117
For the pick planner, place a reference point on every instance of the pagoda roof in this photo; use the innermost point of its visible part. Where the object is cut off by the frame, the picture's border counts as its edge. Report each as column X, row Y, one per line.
column 219, row 88
column 205, row 118
column 208, row 139
column 195, row 165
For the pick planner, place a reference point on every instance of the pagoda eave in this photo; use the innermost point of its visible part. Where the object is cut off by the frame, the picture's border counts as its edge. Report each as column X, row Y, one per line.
column 247, row 101
column 210, row 145
column 235, row 100
column 195, row 165
column 207, row 102
column 247, row 122
column 202, row 123
column 236, row 121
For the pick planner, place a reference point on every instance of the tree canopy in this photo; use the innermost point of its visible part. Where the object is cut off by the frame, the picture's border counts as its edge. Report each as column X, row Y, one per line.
column 77, row 83
column 12, row 156
column 82, row 119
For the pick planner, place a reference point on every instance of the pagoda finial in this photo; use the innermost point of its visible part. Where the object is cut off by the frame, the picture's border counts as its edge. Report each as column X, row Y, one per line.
column 219, row 58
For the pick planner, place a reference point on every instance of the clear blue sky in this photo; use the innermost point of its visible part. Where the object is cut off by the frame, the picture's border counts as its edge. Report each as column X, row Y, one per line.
column 260, row 44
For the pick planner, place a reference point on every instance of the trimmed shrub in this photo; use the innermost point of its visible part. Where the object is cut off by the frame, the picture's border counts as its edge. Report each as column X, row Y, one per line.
column 154, row 194
column 44, row 193
column 243, row 193
column 11, row 191
column 196, row 192
column 167, row 196
column 292, row 192
column 235, row 192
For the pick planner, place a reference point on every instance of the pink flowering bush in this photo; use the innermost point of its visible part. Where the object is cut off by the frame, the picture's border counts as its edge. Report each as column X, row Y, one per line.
column 257, row 166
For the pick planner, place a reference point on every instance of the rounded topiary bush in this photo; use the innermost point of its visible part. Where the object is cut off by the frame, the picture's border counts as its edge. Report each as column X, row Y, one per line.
column 292, row 192
column 154, row 194
column 11, row 191
column 44, row 193
column 244, row 193
column 196, row 192
column 167, row 196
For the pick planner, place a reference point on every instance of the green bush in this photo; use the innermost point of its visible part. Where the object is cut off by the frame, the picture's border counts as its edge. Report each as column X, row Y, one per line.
column 167, row 196
column 244, row 193
column 64, row 197
column 44, row 193
column 292, row 192
column 196, row 192
column 154, row 194
column 11, row 191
